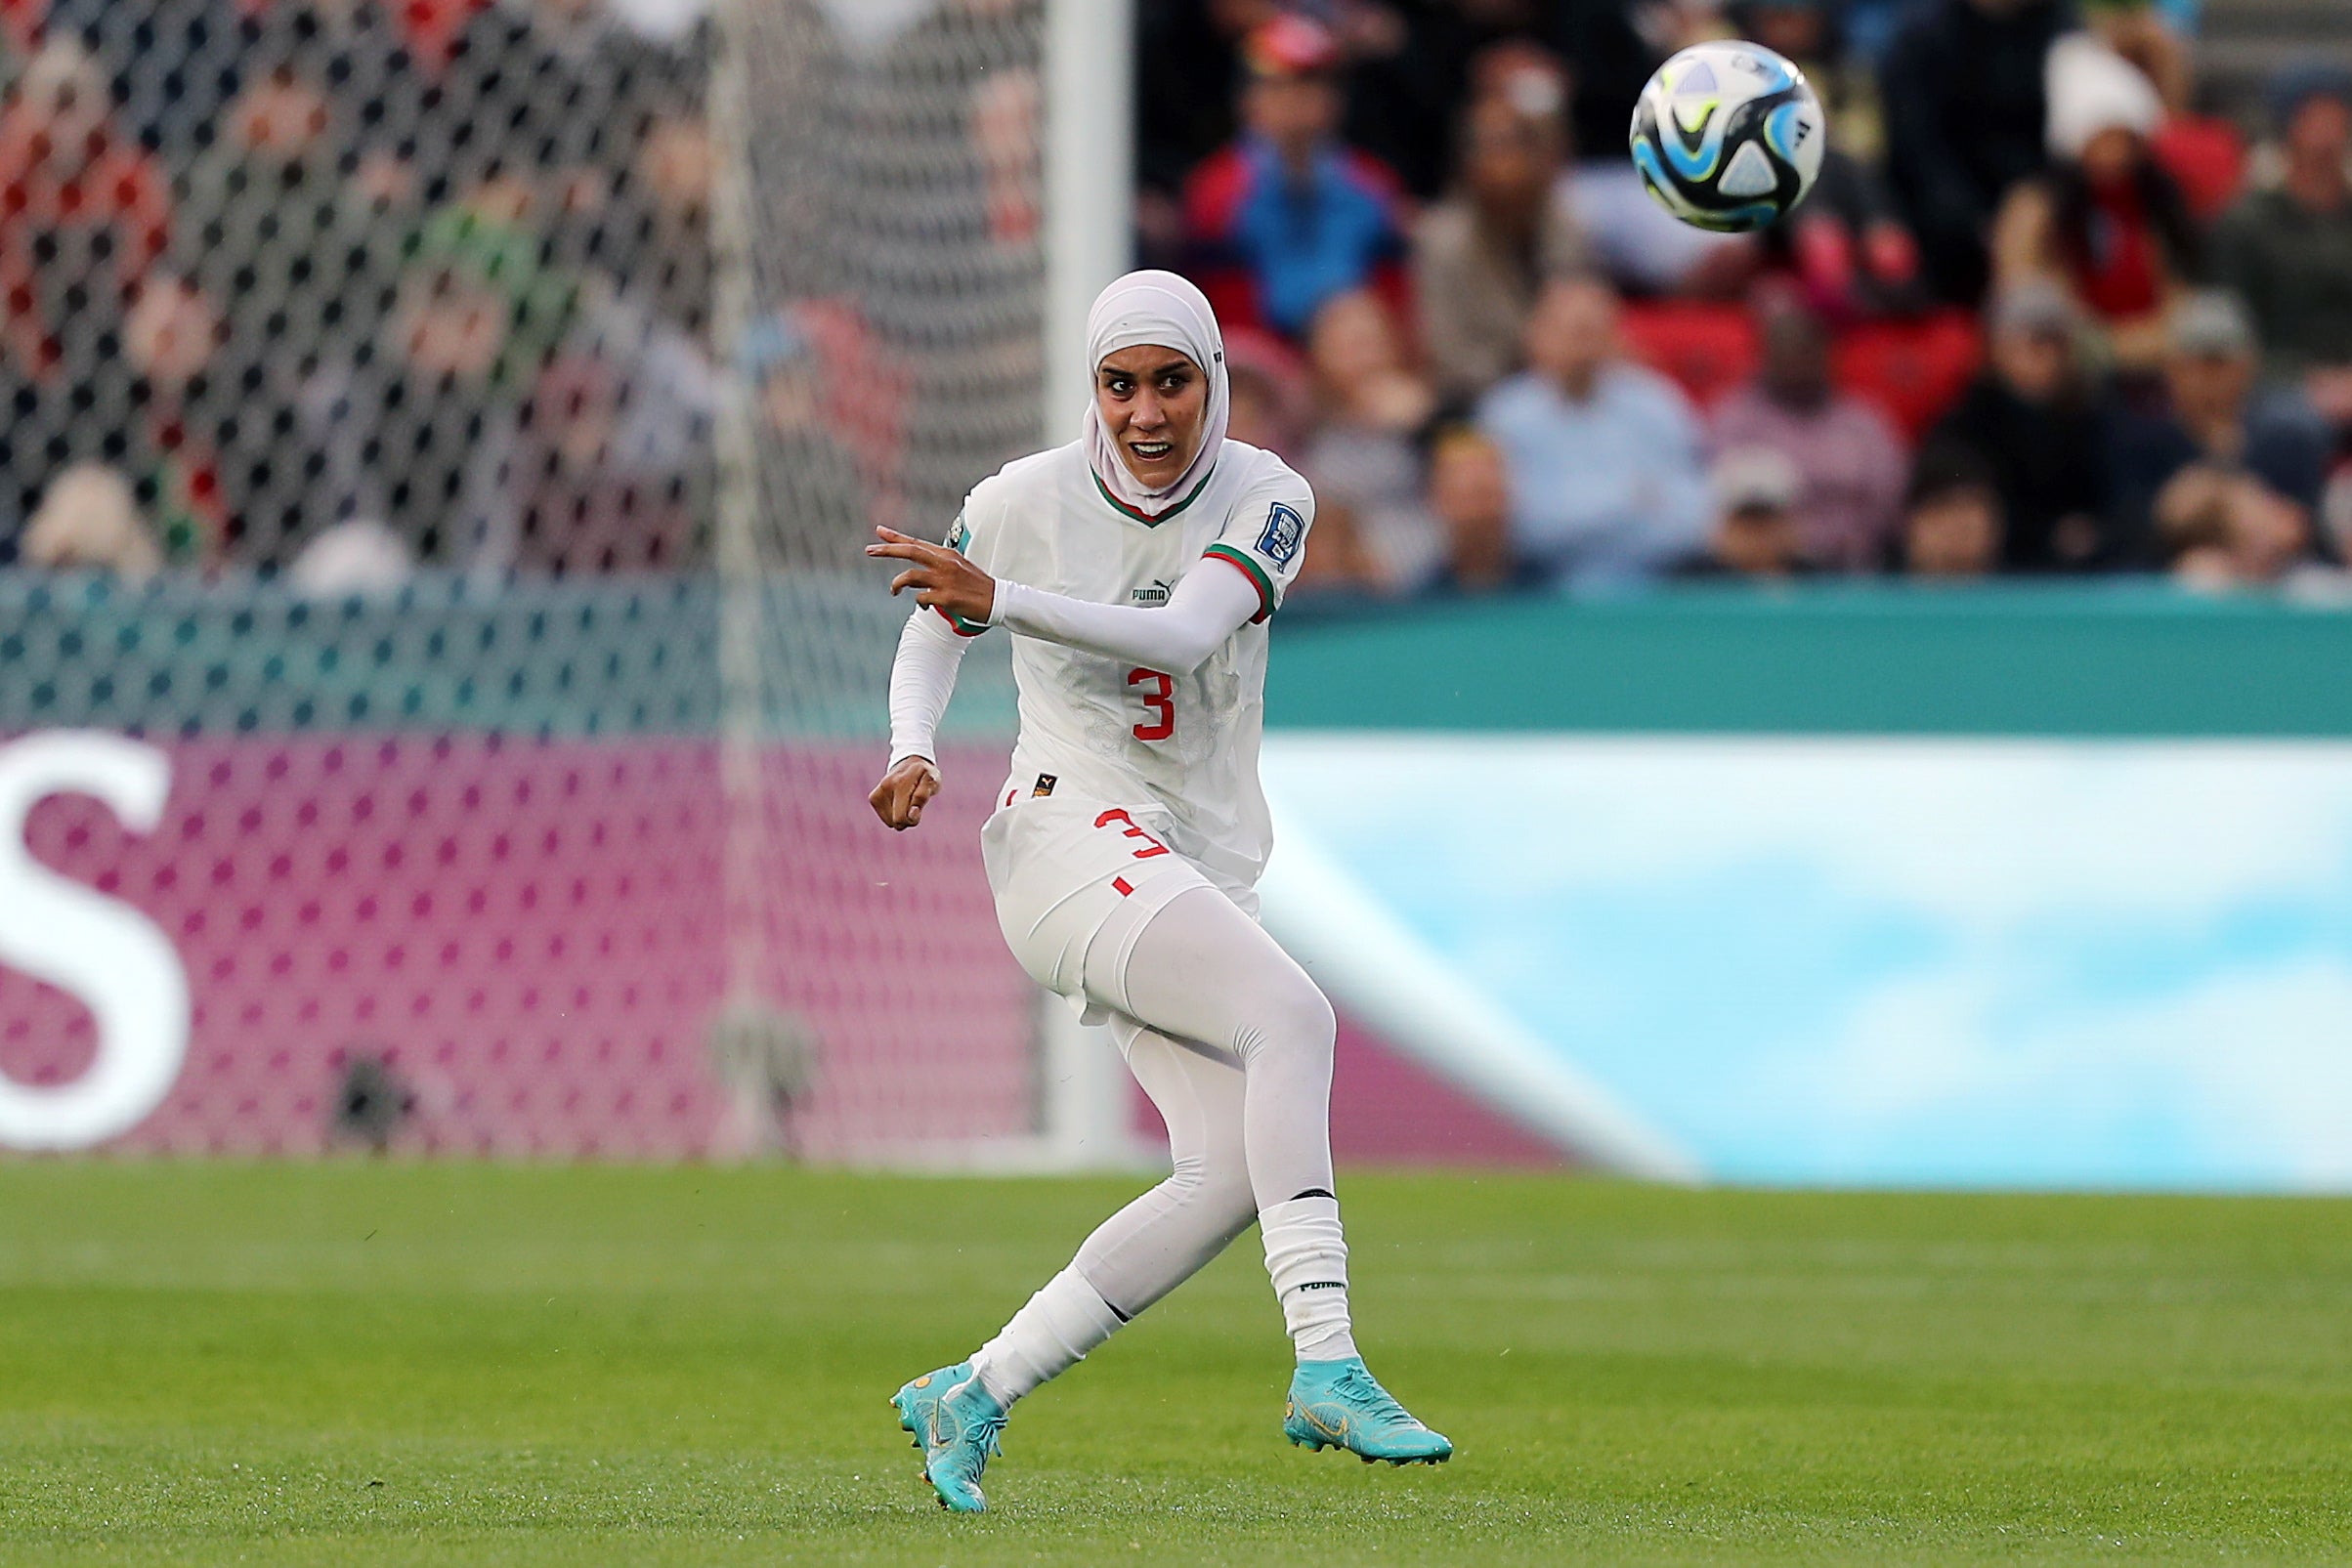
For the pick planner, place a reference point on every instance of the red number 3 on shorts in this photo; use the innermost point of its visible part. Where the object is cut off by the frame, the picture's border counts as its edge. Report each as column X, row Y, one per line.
column 1161, row 698
column 1151, row 845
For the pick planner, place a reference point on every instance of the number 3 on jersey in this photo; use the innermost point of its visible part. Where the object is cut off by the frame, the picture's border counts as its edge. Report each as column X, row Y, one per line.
column 1159, row 695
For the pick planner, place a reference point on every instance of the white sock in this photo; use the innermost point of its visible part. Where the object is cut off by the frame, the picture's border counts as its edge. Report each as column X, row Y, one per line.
column 1306, row 1257
column 1062, row 1322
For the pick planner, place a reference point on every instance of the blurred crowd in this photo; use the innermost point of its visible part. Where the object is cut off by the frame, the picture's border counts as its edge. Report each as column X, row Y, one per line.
column 349, row 288
column 346, row 287
column 2051, row 309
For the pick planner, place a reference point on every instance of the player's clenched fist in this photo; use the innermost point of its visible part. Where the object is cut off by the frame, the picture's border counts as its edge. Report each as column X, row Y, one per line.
column 942, row 580
column 898, row 801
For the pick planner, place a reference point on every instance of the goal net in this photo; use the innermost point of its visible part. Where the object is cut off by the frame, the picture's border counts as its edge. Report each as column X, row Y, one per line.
column 442, row 682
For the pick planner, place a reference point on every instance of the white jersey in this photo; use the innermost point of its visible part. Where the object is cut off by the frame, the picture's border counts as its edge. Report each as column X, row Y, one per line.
column 1104, row 729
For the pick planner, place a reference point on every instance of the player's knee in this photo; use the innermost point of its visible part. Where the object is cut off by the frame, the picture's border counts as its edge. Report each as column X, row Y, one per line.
column 1296, row 1025
column 1213, row 1188
column 1189, row 1173
column 1304, row 1021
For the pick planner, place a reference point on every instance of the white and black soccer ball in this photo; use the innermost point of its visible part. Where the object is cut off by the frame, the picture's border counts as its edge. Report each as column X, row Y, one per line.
column 1729, row 135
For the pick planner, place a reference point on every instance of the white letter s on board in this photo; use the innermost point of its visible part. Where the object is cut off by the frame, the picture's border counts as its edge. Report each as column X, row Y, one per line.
column 101, row 950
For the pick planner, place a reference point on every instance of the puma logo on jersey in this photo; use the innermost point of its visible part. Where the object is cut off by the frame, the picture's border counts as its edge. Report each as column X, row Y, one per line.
column 1154, row 594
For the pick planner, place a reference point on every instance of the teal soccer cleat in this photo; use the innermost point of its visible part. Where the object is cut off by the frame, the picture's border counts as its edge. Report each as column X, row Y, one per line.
column 1337, row 1404
column 918, row 1399
column 957, row 1423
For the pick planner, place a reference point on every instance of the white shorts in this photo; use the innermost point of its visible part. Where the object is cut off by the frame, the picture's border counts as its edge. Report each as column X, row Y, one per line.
column 1063, row 869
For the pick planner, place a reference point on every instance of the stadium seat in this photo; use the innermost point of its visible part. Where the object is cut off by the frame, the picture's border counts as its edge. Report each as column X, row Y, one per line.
column 1913, row 369
column 2207, row 158
column 1707, row 349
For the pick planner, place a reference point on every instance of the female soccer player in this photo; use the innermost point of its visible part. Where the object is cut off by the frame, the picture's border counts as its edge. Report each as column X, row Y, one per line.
column 1135, row 568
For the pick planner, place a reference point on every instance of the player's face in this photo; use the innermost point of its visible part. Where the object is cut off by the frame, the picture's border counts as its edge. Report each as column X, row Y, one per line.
column 1154, row 402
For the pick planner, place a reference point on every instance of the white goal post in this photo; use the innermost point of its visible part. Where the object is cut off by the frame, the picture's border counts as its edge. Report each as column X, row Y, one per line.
column 1090, row 223
column 1089, row 181
column 920, row 197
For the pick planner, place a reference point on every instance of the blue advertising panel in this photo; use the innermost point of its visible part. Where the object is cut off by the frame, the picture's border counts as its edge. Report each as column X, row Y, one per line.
column 1889, row 960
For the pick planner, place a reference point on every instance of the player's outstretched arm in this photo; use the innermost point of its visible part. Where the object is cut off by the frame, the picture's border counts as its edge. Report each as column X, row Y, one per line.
column 1207, row 607
column 921, row 680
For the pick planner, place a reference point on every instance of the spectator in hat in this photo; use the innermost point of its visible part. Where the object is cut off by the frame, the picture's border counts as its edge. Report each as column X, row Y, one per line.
column 1482, row 254
column 2107, row 223
column 1287, row 216
column 1847, row 460
column 1965, row 120
column 2288, row 250
column 1953, row 517
column 1607, row 481
column 1757, row 533
column 2035, row 421
column 2212, row 417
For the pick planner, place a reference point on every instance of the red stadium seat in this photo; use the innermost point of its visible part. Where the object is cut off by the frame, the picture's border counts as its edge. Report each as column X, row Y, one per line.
column 1708, row 349
column 1914, row 370
column 2207, row 158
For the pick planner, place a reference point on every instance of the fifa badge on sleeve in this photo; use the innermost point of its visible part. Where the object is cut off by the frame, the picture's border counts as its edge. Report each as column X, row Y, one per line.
column 1285, row 529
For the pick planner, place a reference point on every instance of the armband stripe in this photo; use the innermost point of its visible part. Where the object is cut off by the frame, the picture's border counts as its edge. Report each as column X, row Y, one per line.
column 962, row 627
column 1253, row 570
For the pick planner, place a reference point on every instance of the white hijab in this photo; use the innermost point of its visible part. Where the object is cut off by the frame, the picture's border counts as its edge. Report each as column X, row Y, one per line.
column 1166, row 312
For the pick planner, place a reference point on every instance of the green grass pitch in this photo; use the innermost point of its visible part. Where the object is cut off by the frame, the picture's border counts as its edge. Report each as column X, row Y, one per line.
column 356, row 1363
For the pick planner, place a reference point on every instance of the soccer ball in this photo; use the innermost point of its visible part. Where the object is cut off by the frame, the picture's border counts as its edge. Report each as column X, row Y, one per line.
column 1727, row 136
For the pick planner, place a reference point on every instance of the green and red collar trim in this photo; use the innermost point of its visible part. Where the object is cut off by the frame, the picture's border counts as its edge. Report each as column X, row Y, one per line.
column 1138, row 514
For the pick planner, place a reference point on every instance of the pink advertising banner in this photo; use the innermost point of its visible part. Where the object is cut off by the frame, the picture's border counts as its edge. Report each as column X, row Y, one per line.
column 533, row 938
column 524, row 949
